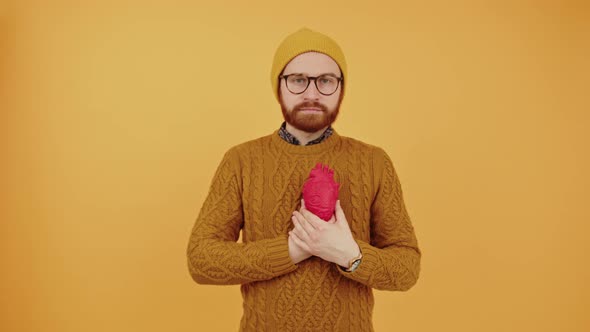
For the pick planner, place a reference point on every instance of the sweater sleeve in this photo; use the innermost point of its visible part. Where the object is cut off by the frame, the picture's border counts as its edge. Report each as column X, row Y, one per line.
column 214, row 257
column 392, row 260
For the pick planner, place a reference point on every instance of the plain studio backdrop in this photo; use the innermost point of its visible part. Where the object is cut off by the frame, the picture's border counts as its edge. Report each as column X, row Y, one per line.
column 115, row 115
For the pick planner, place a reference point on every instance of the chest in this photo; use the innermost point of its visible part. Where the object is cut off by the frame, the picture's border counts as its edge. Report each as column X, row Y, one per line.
column 272, row 190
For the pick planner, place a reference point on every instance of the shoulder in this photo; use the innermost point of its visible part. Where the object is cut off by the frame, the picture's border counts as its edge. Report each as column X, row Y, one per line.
column 252, row 143
column 248, row 148
column 378, row 156
column 356, row 145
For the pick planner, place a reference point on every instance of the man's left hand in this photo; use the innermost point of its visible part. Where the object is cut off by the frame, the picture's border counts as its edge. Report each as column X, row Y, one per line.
column 331, row 240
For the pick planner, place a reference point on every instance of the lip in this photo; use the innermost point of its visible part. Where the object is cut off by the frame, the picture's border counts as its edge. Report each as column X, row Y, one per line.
column 311, row 109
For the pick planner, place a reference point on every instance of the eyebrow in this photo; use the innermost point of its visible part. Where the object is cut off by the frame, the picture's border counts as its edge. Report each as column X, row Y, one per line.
column 306, row 74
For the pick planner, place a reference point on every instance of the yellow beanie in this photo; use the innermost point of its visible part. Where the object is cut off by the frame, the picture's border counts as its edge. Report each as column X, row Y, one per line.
column 301, row 41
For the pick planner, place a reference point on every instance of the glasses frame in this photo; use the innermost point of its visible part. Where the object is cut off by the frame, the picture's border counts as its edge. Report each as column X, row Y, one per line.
column 314, row 79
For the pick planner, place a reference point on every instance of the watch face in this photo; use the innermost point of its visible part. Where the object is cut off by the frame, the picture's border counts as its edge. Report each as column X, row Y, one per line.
column 355, row 264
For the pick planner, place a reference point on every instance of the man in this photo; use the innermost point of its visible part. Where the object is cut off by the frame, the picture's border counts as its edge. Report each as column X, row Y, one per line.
column 298, row 272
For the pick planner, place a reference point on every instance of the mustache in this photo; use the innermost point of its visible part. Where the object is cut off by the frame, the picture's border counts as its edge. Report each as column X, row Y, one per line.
column 307, row 104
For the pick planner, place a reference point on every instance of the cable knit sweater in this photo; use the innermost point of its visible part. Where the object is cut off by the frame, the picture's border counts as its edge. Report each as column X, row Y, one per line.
column 255, row 189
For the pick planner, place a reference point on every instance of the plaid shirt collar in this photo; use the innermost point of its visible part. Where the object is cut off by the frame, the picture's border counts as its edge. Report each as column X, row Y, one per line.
column 293, row 140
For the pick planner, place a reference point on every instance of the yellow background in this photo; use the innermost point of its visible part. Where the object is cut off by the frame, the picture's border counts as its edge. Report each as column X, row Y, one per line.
column 114, row 116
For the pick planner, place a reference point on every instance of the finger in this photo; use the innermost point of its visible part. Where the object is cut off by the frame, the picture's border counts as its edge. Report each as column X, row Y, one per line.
column 333, row 219
column 299, row 242
column 300, row 216
column 302, row 204
column 300, row 230
column 315, row 221
column 309, row 229
column 339, row 212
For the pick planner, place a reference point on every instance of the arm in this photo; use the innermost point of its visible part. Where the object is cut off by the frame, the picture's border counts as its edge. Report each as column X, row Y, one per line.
column 392, row 260
column 213, row 255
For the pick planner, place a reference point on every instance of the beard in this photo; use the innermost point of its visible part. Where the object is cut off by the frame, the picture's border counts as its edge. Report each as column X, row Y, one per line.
column 310, row 123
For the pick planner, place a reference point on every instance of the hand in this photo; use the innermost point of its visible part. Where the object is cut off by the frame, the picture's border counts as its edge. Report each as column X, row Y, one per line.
column 331, row 241
column 297, row 253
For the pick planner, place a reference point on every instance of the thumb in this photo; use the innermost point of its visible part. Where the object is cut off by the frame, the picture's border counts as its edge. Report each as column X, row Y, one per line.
column 332, row 220
column 339, row 213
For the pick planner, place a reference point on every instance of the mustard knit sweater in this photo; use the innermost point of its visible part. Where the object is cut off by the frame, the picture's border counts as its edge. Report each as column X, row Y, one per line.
column 255, row 189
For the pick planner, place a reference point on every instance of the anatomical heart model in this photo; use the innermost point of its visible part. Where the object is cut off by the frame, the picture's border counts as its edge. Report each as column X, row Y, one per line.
column 320, row 192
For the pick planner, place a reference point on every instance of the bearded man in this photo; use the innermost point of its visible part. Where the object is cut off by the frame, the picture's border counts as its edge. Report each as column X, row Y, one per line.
column 297, row 271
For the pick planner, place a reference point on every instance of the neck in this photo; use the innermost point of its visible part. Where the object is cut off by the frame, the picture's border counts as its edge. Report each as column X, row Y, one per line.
column 302, row 136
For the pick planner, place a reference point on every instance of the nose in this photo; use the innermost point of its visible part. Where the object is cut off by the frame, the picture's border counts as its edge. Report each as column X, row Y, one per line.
column 312, row 91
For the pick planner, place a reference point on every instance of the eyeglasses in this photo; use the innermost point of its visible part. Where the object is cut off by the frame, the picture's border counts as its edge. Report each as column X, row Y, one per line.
column 326, row 84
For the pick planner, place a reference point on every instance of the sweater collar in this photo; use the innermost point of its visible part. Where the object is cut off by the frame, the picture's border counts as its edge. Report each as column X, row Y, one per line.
column 328, row 143
column 287, row 136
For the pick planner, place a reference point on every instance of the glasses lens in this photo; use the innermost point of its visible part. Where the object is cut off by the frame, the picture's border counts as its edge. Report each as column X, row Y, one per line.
column 297, row 83
column 327, row 84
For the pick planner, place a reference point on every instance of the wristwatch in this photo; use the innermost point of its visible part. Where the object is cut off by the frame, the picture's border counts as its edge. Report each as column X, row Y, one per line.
column 354, row 263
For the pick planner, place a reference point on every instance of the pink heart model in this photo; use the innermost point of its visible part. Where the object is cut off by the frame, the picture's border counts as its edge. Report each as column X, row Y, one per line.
column 320, row 192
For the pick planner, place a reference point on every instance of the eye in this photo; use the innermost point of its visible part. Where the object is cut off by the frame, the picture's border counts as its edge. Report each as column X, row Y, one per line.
column 299, row 79
column 327, row 80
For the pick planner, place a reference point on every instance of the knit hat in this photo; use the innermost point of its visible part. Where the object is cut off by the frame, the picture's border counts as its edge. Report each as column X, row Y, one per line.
column 301, row 41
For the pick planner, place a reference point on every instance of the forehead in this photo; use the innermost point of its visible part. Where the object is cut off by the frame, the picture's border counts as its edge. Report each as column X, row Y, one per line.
column 312, row 63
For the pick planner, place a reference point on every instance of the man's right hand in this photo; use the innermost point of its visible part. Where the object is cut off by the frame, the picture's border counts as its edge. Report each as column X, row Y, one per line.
column 297, row 253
